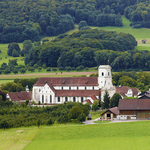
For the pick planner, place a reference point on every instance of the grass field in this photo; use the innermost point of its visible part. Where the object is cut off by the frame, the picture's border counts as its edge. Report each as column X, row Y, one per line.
column 108, row 136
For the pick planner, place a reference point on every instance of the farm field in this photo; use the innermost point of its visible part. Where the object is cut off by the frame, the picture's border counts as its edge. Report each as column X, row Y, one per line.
column 108, row 136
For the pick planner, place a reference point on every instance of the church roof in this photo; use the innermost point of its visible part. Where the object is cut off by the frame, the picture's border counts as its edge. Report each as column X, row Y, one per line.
column 23, row 95
column 67, row 81
column 77, row 93
column 88, row 101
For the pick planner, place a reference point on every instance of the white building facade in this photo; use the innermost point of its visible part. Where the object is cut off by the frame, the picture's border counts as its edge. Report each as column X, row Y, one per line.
column 57, row 90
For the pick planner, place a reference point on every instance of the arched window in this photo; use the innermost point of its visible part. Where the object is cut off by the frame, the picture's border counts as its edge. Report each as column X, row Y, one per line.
column 58, row 99
column 102, row 73
column 108, row 73
column 74, row 99
column 50, row 98
column 66, row 99
column 42, row 98
column 81, row 99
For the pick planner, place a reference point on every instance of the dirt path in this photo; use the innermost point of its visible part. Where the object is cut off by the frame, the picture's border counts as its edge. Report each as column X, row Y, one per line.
column 58, row 73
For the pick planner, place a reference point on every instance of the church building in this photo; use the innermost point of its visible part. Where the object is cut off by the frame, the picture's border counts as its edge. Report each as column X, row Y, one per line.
column 57, row 90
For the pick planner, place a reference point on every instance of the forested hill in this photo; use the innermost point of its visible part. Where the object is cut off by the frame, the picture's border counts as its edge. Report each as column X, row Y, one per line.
column 84, row 48
column 31, row 19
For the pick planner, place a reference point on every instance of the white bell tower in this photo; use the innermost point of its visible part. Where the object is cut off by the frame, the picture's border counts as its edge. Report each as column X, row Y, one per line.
column 105, row 80
column 104, row 77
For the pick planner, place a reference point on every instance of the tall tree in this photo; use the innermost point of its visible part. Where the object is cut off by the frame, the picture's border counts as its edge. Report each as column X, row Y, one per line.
column 106, row 100
column 115, row 100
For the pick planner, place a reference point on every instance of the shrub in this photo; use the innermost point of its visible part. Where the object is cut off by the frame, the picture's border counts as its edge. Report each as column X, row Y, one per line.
column 86, row 68
column 49, row 121
column 61, row 68
column 79, row 68
column 54, row 69
column 48, row 69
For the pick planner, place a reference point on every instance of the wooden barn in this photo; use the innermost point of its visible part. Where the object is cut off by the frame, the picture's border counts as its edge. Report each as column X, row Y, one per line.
column 134, row 109
column 110, row 113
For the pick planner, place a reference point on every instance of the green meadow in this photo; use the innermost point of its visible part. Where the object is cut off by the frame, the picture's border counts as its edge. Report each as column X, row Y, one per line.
column 107, row 136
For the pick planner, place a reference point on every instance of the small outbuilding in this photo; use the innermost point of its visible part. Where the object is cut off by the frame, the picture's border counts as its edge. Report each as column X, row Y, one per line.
column 110, row 113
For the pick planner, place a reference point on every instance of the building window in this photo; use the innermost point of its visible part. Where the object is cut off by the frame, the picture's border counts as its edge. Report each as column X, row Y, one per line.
column 81, row 99
column 50, row 98
column 58, row 99
column 62, row 87
column 74, row 99
column 66, row 99
column 102, row 73
column 46, row 99
column 69, row 87
column 108, row 73
column 108, row 115
column 77, row 87
column 93, row 87
column 42, row 98
column 85, row 87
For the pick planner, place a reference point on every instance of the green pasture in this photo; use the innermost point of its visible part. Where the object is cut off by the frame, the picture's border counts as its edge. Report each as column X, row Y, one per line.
column 142, row 33
column 4, row 58
column 96, row 114
column 108, row 136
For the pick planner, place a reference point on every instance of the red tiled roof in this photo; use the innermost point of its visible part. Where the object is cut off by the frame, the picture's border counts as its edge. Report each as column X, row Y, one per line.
column 114, row 110
column 23, row 95
column 93, row 97
column 124, row 89
column 76, row 93
column 134, row 104
column 66, row 81
column 88, row 101
column 52, row 88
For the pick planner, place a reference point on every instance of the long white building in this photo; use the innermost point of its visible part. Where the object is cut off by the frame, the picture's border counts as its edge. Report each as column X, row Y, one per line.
column 57, row 90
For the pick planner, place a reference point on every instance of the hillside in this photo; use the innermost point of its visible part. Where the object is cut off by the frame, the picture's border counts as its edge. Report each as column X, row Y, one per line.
column 32, row 20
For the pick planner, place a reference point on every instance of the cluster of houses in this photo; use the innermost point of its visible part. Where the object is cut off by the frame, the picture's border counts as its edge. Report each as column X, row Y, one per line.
column 57, row 90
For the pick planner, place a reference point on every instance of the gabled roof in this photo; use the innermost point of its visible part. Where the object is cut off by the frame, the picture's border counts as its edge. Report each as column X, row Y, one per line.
column 145, row 96
column 144, row 93
column 88, row 101
column 93, row 97
column 23, row 95
column 124, row 89
column 51, row 87
column 134, row 104
column 67, row 81
column 76, row 93
column 113, row 110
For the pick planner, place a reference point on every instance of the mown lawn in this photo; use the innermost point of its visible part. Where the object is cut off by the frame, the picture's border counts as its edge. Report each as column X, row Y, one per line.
column 110, row 136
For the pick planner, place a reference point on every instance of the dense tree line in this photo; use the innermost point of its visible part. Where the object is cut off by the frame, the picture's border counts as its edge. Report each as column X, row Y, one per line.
column 18, row 85
column 18, row 115
column 139, row 15
column 80, row 48
column 29, row 20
